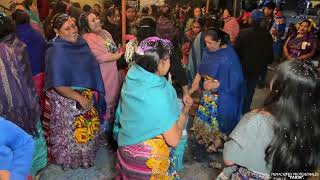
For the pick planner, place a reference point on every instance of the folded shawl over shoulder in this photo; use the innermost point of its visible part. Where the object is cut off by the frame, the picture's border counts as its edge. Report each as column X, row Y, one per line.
column 148, row 107
column 18, row 98
column 72, row 64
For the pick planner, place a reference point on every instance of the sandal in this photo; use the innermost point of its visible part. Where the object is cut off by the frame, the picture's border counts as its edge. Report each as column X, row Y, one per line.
column 216, row 165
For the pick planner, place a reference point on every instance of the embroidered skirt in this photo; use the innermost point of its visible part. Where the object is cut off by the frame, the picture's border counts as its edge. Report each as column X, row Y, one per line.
column 73, row 135
column 147, row 160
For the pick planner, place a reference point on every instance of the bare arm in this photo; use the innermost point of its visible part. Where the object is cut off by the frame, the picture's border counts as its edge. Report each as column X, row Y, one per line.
column 71, row 94
column 195, row 84
column 173, row 135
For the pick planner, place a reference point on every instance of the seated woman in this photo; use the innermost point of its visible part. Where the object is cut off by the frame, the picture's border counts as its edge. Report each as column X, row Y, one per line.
column 73, row 81
column 107, row 53
column 19, row 102
column 222, row 98
column 301, row 46
column 148, row 119
column 283, row 136
column 16, row 149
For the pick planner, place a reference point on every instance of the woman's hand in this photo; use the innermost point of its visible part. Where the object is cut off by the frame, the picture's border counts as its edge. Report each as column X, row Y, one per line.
column 118, row 54
column 85, row 103
column 211, row 85
column 194, row 87
column 187, row 100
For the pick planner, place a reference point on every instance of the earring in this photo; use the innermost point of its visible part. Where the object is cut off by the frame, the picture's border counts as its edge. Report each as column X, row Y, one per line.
column 57, row 35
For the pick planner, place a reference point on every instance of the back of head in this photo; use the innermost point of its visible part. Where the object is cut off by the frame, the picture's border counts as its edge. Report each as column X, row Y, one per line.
column 295, row 103
column 270, row 5
column 146, row 28
column 213, row 22
column 6, row 25
column 20, row 17
column 150, row 51
column 87, row 8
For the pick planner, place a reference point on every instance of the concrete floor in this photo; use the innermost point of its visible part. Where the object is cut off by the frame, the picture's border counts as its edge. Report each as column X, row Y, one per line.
column 196, row 160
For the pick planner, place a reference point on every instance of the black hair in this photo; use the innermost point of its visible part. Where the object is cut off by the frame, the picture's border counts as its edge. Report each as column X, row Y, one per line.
column 60, row 7
column 76, row 4
column 83, row 21
column 213, row 22
column 87, row 8
column 294, row 101
column 58, row 20
column 270, row 5
column 217, row 35
column 145, row 10
column 6, row 25
column 151, row 58
column 20, row 17
column 146, row 28
column 28, row 3
column 155, row 11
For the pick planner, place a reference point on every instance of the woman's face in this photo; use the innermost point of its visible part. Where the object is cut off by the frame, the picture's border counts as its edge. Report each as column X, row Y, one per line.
column 94, row 23
column 304, row 28
column 211, row 44
column 33, row 7
column 197, row 12
column 196, row 28
column 226, row 14
column 68, row 31
column 115, row 19
column 164, row 66
column 131, row 14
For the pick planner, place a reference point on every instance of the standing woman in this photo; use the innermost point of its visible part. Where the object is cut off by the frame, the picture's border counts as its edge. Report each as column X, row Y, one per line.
column 73, row 81
column 222, row 98
column 231, row 25
column 36, row 47
column 18, row 97
column 106, row 52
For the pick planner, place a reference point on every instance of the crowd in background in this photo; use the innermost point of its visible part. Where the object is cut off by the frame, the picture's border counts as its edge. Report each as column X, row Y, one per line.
column 68, row 87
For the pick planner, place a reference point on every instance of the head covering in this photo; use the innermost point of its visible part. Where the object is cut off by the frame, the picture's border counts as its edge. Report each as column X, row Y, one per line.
column 152, row 43
column 158, row 99
column 256, row 15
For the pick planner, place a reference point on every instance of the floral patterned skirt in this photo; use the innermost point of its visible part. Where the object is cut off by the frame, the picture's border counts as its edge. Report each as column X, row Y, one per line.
column 147, row 160
column 206, row 126
column 73, row 135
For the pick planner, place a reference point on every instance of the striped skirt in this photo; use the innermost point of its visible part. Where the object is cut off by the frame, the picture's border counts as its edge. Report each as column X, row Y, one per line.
column 147, row 160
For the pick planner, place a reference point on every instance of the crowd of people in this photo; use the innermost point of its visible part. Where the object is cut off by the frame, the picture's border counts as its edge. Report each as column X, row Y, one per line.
column 67, row 88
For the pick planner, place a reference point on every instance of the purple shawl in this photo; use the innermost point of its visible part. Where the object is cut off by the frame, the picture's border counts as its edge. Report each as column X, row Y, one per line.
column 295, row 45
column 18, row 99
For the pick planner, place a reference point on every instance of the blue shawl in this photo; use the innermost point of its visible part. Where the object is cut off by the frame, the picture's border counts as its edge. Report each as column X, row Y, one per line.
column 72, row 64
column 36, row 46
column 148, row 107
column 224, row 66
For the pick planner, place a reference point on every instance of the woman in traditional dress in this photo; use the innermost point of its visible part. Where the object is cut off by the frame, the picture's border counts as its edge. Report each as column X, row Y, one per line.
column 301, row 46
column 73, row 87
column 18, row 98
column 231, row 25
column 222, row 98
column 36, row 47
column 32, row 10
column 107, row 53
column 148, row 118
column 282, row 136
